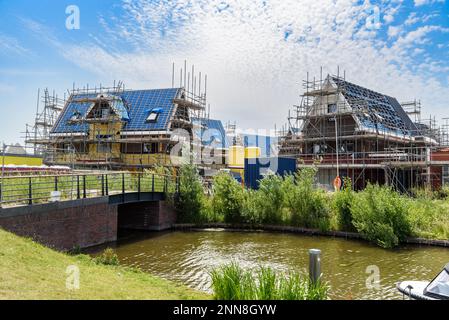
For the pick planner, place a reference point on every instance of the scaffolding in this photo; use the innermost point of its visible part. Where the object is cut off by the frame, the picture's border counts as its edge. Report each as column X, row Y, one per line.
column 344, row 129
column 37, row 135
column 101, row 143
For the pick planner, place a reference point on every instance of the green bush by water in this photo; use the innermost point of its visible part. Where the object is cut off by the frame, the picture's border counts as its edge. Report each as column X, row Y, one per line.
column 228, row 198
column 381, row 215
column 266, row 205
column 231, row 282
column 190, row 201
column 307, row 204
column 342, row 201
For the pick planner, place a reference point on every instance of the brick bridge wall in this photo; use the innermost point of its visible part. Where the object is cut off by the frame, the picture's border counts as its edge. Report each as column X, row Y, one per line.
column 86, row 222
column 64, row 225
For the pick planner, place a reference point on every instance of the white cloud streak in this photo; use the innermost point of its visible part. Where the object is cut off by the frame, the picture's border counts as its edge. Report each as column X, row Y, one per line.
column 10, row 45
column 419, row 3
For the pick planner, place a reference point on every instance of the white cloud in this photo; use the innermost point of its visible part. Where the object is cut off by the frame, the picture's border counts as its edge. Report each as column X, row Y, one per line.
column 390, row 13
column 418, row 36
column 393, row 31
column 412, row 19
column 417, row 51
column 256, row 53
column 10, row 45
column 426, row 2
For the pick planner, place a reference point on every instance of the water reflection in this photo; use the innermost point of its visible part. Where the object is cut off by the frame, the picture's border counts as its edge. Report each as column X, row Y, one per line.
column 188, row 257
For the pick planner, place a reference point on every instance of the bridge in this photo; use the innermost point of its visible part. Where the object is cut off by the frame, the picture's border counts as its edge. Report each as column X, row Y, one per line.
column 86, row 208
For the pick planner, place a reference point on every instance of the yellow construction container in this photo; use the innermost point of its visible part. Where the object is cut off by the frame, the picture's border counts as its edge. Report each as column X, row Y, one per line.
column 238, row 154
column 236, row 157
column 252, row 152
column 20, row 160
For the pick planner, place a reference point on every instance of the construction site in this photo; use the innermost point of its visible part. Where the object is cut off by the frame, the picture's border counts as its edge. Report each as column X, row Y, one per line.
column 342, row 129
column 346, row 130
column 116, row 128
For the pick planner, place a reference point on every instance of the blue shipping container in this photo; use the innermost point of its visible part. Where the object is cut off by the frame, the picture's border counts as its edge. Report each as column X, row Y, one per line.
column 255, row 169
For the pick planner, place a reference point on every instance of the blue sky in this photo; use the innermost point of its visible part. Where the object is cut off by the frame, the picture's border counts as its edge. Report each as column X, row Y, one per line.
column 255, row 52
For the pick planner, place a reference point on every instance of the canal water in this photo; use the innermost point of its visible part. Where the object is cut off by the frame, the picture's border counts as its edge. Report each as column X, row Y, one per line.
column 348, row 266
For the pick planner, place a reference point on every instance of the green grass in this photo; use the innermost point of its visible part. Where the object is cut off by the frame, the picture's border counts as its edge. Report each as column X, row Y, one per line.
column 31, row 271
column 231, row 282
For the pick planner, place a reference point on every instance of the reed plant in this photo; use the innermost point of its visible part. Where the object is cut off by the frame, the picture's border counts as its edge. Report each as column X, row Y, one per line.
column 231, row 282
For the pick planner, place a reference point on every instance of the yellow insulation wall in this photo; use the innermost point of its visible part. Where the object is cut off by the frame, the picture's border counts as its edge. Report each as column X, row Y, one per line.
column 21, row 160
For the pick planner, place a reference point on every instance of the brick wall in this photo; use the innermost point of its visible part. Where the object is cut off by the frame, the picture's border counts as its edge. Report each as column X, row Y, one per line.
column 64, row 225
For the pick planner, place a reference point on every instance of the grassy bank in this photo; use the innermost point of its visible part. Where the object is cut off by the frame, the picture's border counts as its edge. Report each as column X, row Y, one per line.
column 31, row 271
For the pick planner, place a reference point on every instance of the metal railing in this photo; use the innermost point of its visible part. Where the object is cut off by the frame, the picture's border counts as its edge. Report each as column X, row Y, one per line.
column 34, row 189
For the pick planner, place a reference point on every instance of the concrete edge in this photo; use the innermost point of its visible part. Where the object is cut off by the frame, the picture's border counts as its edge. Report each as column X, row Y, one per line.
column 306, row 231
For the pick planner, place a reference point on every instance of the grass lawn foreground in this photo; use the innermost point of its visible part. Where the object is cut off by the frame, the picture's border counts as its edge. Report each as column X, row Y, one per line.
column 29, row 270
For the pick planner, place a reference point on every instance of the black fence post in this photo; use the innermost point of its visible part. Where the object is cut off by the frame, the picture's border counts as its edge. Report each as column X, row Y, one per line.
column 165, row 184
column 107, row 187
column 152, row 183
column 84, row 187
column 138, row 186
column 30, row 192
column 78, row 192
column 123, row 187
column 102, row 185
column 56, row 183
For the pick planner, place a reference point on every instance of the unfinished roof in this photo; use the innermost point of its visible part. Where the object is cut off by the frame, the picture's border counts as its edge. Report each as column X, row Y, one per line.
column 133, row 107
column 376, row 111
column 211, row 132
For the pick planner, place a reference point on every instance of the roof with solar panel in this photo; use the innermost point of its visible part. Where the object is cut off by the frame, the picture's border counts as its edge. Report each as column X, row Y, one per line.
column 140, row 110
column 376, row 111
column 210, row 132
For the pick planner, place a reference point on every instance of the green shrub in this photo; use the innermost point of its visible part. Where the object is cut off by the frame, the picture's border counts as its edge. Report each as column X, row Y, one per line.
column 191, row 196
column 442, row 193
column 231, row 282
column 342, row 204
column 423, row 193
column 228, row 198
column 307, row 204
column 250, row 211
column 427, row 193
column 108, row 257
column 207, row 213
column 380, row 214
column 269, row 199
column 429, row 218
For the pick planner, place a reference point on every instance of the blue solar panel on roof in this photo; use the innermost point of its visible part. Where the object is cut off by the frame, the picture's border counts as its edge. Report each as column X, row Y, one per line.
column 210, row 132
column 384, row 113
column 137, row 102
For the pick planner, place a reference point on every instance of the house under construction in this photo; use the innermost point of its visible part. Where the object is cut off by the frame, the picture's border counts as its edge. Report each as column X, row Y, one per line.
column 115, row 128
column 349, row 131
